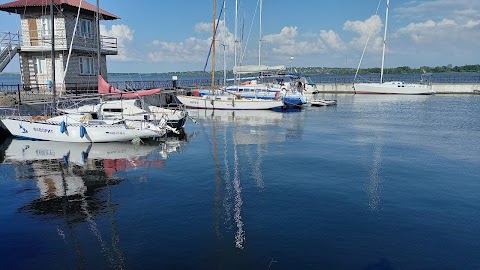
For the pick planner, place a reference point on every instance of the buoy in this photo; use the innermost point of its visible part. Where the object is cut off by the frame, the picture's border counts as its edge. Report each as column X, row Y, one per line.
column 82, row 131
column 63, row 127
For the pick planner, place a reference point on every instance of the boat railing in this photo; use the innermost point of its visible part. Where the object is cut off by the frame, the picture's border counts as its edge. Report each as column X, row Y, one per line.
column 8, row 111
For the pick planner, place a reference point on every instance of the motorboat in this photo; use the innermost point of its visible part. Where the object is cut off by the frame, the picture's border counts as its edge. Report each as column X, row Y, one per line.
column 323, row 102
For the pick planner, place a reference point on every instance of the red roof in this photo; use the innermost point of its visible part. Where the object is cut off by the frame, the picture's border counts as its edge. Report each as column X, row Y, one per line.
column 21, row 4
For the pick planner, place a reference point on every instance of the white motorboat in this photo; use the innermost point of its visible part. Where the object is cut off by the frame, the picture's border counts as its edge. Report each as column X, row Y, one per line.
column 323, row 102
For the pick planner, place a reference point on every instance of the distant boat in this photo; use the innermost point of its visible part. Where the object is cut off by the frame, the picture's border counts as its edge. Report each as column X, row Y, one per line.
column 393, row 87
column 323, row 102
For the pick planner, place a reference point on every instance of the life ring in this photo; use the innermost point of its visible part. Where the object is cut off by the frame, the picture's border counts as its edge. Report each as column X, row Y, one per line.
column 276, row 95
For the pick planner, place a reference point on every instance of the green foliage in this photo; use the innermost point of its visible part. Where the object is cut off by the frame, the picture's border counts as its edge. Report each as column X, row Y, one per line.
column 327, row 70
column 397, row 70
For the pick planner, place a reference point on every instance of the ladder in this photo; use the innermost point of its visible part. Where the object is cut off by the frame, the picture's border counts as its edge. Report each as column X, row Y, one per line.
column 9, row 47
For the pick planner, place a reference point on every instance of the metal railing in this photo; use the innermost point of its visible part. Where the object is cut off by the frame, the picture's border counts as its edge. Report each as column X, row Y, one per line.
column 9, row 38
column 40, row 39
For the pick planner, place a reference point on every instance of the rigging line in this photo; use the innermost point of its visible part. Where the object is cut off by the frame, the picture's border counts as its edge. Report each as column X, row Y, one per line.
column 71, row 43
column 365, row 47
column 250, row 31
column 213, row 38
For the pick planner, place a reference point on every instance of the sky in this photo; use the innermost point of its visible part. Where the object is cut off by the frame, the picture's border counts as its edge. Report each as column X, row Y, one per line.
column 169, row 36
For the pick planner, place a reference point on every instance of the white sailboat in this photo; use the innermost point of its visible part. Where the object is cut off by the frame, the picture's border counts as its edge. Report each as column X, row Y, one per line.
column 130, row 107
column 230, row 101
column 80, row 128
column 391, row 87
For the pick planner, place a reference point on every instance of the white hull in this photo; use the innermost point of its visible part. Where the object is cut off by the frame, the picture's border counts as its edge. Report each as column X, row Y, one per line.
column 323, row 102
column 228, row 103
column 399, row 88
column 93, row 130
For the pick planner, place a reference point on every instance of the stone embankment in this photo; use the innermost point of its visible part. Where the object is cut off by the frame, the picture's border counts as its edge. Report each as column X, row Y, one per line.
column 7, row 100
column 439, row 88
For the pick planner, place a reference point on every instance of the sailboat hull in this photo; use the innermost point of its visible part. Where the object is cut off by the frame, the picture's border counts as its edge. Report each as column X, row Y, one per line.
column 77, row 132
column 399, row 88
column 228, row 103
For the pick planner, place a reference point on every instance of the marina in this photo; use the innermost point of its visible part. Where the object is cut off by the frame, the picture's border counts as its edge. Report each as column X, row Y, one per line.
column 270, row 167
column 376, row 181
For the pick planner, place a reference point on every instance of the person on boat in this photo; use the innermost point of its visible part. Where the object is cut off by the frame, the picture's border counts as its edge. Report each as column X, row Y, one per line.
column 300, row 86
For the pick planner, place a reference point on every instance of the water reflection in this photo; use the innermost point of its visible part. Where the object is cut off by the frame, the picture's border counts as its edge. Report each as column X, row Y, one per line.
column 239, row 142
column 75, row 183
column 370, row 123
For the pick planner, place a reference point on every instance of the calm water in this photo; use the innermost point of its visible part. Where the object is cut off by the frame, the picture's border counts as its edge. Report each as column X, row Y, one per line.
column 377, row 182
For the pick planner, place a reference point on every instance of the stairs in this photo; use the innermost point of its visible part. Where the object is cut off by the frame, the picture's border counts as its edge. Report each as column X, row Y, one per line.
column 9, row 47
column 6, row 55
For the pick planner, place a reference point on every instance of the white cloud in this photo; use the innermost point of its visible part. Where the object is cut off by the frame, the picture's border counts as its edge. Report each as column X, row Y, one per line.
column 430, row 28
column 192, row 50
column 203, row 27
column 458, row 10
column 124, row 36
column 332, row 40
column 369, row 30
column 286, row 36
column 446, row 33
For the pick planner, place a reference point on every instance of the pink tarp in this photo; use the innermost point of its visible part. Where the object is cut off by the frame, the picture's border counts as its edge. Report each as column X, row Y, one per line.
column 105, row 88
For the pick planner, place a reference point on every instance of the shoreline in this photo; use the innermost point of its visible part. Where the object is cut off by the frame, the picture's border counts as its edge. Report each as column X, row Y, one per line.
column 439, row 88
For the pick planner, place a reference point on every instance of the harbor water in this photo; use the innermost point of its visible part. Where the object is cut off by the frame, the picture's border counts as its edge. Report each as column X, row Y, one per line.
column 375, row 182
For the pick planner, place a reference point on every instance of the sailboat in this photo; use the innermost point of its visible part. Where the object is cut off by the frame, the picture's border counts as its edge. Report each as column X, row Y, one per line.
column 131, row 106
column 391, row 87
column 80, row 127
column 260, row 84
column 228, row 101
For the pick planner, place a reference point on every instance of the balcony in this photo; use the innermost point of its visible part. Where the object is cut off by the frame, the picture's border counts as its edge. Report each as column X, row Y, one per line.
column 40, row 41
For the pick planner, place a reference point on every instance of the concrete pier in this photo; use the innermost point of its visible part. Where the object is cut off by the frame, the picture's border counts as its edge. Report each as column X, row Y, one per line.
column 439, row 88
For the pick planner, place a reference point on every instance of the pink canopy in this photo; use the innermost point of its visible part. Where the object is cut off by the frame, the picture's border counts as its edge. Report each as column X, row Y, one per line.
column 105, row 88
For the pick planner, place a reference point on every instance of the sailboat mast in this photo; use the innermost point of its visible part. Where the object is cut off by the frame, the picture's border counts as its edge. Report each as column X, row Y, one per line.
column 99, row 67
column 54, row 89
column 213, row 43
column 260, row 34
column 224, row 43
column 235, row 39
column 384, row 41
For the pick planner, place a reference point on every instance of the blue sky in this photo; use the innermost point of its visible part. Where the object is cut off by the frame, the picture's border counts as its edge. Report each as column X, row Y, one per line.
column 163, row 36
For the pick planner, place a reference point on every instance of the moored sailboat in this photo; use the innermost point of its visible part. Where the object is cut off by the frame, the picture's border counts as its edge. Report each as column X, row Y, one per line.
column 392, row 87
column 227, row 100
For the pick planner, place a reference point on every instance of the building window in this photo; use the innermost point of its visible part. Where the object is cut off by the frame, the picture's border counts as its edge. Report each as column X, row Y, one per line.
column 40, row 64
column 46, row 25
column 86, row 66
column 85, row 28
